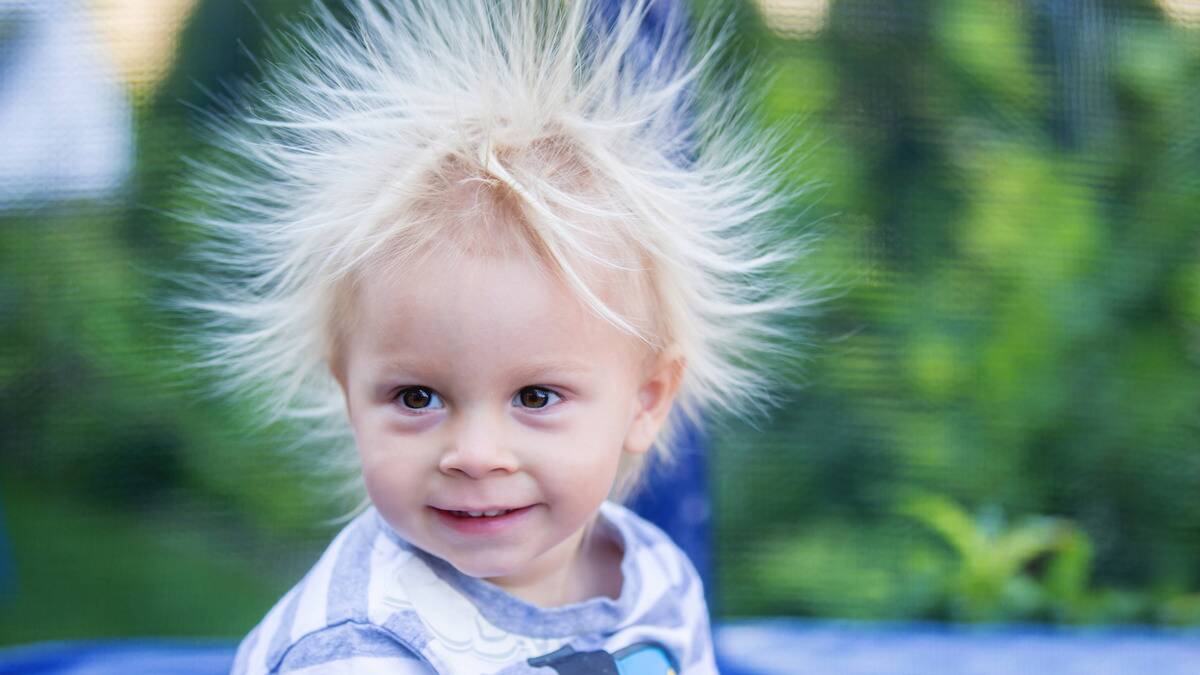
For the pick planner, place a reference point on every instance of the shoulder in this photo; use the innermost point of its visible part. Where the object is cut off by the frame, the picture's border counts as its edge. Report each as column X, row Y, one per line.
column 362, row 649
column 671, row 606
column 650, row 549
column 327, row 621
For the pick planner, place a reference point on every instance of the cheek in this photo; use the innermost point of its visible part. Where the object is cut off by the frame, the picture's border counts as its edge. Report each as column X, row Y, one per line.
column 389, row 470
column 394, row 493
column 586, row 465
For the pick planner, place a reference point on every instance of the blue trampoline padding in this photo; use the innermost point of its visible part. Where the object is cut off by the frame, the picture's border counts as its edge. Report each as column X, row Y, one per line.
column 799, row 647
column 757, row 647
column 119, row 657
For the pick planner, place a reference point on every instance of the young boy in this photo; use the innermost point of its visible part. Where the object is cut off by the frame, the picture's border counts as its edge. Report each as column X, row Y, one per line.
column 492, row 247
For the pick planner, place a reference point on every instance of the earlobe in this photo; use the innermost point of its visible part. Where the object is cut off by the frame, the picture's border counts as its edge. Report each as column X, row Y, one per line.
column 641, row 435
column 339, row 375
column 655, row 398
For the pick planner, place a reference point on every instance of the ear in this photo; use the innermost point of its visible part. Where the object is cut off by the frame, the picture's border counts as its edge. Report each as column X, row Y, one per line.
column 655, row 398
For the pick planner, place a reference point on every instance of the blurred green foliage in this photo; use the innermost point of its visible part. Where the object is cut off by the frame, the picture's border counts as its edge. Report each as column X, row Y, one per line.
column 1000, row 412
column 1013, row 202
column 127, row 490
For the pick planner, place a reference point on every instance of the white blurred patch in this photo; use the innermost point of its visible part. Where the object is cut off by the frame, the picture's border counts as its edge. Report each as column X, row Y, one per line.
column 65, row 119
column 795, row 19
column 1186, row 12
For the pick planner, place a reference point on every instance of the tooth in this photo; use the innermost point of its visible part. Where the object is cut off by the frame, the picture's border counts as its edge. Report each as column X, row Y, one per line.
column 474, row 514
column 492, row 513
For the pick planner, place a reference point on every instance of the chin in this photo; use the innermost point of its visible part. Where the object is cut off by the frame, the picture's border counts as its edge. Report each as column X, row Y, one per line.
column 483, row 566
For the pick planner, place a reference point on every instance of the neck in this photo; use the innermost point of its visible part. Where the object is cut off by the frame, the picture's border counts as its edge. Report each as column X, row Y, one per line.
column 593, row 569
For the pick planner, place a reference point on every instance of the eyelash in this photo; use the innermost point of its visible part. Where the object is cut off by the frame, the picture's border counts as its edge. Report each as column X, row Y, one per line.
column 551, row 394
column 435, row 401
column 432, row 395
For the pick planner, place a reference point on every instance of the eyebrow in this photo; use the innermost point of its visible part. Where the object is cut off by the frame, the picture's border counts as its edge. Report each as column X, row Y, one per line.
column 532, row 371
column 528, row 371
column 401, row 364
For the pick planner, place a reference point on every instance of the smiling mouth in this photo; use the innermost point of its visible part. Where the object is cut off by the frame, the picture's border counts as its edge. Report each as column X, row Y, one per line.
column 484, row 514
column 481, row 514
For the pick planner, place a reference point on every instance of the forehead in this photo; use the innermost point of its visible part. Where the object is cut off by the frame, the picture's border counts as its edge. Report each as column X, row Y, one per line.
column 452, row 286
column 480, row 308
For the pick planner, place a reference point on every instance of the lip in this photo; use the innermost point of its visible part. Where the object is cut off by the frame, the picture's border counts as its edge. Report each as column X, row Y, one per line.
column 483, row 525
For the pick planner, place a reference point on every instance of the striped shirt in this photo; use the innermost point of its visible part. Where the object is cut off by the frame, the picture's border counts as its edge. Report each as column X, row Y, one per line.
column 373, row 603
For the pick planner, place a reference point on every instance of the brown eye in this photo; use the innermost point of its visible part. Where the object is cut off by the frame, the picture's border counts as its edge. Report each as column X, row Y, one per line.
column 535, row 397
column 419, row 398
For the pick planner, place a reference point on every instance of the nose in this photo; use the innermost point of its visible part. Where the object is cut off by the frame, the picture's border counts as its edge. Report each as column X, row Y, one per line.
column 477, row 447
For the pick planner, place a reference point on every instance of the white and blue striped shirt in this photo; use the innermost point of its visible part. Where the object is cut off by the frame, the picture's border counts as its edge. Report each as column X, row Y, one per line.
column 375, row 604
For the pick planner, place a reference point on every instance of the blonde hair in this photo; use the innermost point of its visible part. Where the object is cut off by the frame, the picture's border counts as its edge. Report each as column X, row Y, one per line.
column 603, row 141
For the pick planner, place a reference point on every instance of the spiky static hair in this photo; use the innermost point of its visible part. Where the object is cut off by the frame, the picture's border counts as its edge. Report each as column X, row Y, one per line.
column 602, row 137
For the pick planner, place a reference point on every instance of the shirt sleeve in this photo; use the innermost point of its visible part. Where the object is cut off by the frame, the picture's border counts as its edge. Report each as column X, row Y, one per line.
column 350, row 649
column 368, row 665
column 700, row 657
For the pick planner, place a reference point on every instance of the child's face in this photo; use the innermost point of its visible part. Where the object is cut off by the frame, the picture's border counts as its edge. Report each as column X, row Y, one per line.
column 488, row 385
